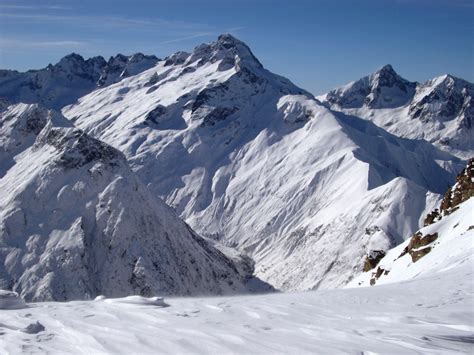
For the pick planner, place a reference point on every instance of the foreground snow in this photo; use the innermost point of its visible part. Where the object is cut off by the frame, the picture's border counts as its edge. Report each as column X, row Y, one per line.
column 432, row 315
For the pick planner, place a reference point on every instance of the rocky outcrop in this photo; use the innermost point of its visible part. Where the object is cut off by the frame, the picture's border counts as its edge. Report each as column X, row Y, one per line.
column 419, row 245
column 461, row 191
column 373, row 259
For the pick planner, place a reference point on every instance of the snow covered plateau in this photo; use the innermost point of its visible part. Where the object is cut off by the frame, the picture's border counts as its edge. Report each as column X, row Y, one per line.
column 203, row 178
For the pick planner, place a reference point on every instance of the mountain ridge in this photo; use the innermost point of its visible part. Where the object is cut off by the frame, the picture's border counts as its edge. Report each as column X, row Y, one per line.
column 440, row 110
column 261, row 163
column 75, row 222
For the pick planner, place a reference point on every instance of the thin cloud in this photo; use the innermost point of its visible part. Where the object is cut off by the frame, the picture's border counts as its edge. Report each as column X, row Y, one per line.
column 236, row 29
column 20, row 43
column 203, row 34
column 197, row 35
column 33, row 7
column 105, row 21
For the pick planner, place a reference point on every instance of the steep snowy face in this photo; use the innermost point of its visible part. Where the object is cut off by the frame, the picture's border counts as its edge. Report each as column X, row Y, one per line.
column 382, row 89
column 444, row 243
column 440, row 110
column 248, row 158
column 75, row 222
column 72, row 77
column 445, row 98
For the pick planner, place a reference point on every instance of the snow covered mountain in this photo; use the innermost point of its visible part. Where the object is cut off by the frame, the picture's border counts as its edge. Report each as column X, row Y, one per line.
column 440, row 111
column 72, row 77
column 444, row 243
column 249, row 159
column 382, row 89
column 75, row 221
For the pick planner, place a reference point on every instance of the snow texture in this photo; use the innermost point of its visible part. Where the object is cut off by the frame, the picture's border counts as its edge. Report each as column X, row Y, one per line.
column 75, row 222
column 440, row 110
column 251, row 160
column 72, row 77
column 430, row 315
column 453, row 247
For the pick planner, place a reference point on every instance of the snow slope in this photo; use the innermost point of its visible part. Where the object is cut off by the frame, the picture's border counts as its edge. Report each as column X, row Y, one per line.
column 431, row 315
column 446, row 240
column 75, row 222
column 72, row 77
column 249, row 159
column 440, row 110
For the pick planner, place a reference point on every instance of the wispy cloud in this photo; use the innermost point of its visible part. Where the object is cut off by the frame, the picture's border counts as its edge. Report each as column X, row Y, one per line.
column 181, row 39
column 235, row 29
column 203, row 34
column 103, row 21
column 17, row 43
column 33, row 7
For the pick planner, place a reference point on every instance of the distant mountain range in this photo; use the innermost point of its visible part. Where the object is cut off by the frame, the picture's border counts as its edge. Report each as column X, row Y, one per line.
column 440, row 111
column 304, row 186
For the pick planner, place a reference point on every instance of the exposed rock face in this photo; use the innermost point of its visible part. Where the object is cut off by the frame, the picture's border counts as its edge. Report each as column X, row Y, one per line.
column 373, row 259
column 376, row 275
column 462, row 190
column 419, row 245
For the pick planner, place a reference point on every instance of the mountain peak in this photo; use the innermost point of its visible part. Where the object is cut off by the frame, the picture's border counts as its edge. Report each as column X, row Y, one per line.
column 226, row 39
column 387, row 76
column 231, row 51
column 73, row 57
column 387, row 67
column 381, row 89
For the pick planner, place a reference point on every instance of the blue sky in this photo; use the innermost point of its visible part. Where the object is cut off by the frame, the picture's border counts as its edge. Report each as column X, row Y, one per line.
column 317, row 44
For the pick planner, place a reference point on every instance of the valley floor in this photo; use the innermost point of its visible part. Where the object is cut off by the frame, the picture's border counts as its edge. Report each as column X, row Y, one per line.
column 432, row 315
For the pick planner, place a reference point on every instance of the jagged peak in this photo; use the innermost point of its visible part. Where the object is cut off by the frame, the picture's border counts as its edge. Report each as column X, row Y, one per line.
column 73, row 56
column 227, row 49
column 75, row 147
column 387, row 76
column 448, row 79
column 119, row 57
column 387, row 68
column 228, row 40
column 177, row 58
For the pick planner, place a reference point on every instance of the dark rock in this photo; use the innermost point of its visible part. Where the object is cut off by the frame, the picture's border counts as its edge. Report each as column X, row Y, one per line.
column 154, row 115
column 462, row 190
column 76, row 148
column 34, row 328
column 372, row 259
column 418, row 245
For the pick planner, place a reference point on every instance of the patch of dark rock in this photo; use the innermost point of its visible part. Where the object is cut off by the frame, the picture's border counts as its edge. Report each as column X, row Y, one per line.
column 34, row 328
column 372, row 259
column 418, row 246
